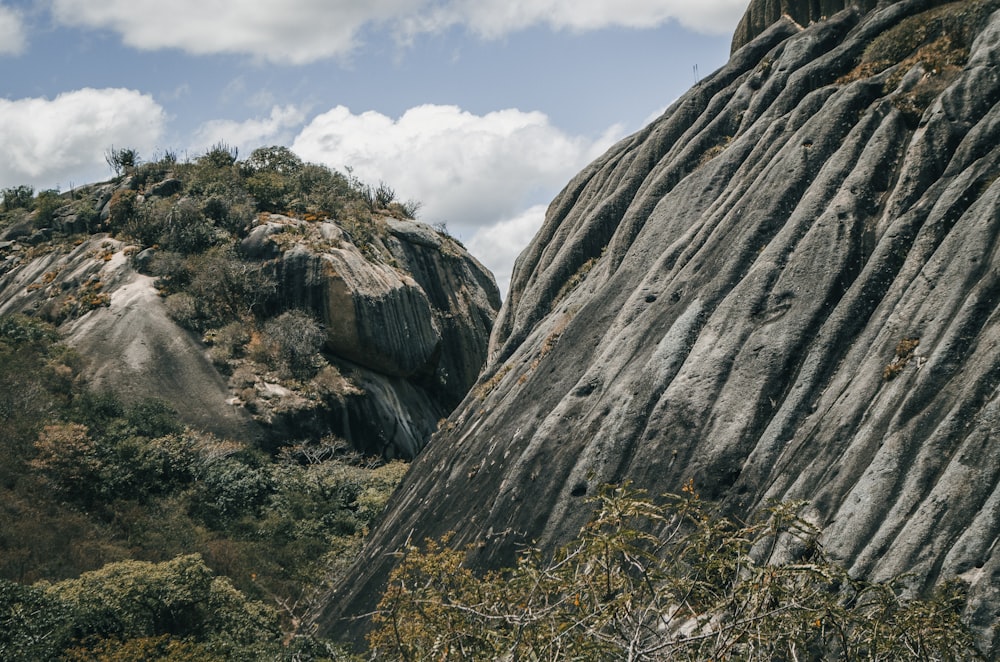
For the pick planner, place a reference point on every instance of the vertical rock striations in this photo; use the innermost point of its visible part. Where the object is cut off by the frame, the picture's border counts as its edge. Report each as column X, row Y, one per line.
column 761, row 14
column 784, row 288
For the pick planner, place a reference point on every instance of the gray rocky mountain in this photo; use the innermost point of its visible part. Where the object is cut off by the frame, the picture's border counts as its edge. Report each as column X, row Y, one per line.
column 761, row 14
column 786, row 287
column 406, row 316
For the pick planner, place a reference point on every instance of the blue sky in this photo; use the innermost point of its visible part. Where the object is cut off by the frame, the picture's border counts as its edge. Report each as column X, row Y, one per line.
column 480, row 109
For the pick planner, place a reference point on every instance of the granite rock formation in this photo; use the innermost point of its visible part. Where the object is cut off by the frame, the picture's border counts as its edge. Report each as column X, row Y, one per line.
column 761, row 14
column 785, row 287
column 407, row 315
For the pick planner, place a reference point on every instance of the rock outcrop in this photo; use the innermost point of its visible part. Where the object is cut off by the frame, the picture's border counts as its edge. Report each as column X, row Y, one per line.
column 116, row 320
column 414, row 331
column 762, row 14
column 406, row 312
column 786, row 287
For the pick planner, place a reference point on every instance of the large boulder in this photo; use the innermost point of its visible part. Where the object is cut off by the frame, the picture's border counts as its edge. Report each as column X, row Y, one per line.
column 374, row 315
column 785, row 287
column 422, row 311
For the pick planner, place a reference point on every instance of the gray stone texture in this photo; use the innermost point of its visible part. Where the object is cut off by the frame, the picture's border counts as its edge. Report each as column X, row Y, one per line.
column 748, row 265
column 409, row 337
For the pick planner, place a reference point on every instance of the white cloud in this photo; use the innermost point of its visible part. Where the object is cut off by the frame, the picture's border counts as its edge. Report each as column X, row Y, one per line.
column 277, row 129
column 44, row 142
column 12, row 30
column 467, row 170
column 495, row 18
column 299, row 31
column 293, row 31
column 498, row 245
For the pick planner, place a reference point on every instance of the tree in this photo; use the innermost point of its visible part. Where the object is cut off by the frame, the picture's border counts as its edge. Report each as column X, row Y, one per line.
column 276, row 159
column 706, row 587
column 181, row 598
column 33, row 624
column 122, row 160
column 17, row 197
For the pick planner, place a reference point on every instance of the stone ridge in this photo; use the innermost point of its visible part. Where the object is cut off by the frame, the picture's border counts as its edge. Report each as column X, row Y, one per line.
column 406, row 327
column 761, row 14
column 785, row 287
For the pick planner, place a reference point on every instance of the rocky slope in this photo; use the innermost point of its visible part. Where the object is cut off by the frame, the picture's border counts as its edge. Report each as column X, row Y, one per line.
column 405, row 315
column 761, row 14
column 784, row 288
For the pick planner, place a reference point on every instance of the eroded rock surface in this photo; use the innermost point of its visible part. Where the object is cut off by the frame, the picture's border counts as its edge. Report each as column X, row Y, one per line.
column 115, row 318
column 784, row 288
column 762, row 14
column 406, row 329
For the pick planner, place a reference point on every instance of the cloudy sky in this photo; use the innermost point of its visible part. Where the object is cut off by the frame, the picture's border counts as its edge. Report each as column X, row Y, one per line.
column 479, row 109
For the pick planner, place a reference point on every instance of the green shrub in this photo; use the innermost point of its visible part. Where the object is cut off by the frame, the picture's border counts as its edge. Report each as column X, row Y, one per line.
column 186, row 230
column 296, row 338
column 122, row 452
column 163, row 648
column 46, row 205
column 19, row 330
column 144, row 222
column 33, row 624
column 272, row 190
column 214, row 288
column 230, row 489
column 122, row 209
column 18, row 197
column 155, row 170
column 228, row 342
column 219, row 156
column 180, row 598
column 36, row 381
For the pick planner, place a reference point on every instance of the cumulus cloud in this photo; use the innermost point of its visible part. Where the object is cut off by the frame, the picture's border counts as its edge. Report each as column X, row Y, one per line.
column 293, row 31
column 495, row 18
column 498, row 245
column 277, row 129
column 299, row 31
column 12, row 31
column 44, row 142
column 467, row 170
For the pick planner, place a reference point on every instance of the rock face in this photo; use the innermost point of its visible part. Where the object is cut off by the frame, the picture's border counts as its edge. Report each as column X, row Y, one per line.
column 761, row 14
column 406, row 328
column 784, row 288
column 114, row 317
column 415, row 331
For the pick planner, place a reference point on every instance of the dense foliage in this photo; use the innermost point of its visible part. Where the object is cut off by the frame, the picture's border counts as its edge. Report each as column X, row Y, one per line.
column 124, row 535
column 702, row 587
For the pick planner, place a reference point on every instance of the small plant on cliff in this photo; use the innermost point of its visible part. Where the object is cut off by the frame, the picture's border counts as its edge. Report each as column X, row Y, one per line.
column 901, row 358
column 705, row 587
column 296, row 339
column 122, row 160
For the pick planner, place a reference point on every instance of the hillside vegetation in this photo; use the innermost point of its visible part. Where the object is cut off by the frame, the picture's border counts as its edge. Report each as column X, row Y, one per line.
column 125, row 534
column 194, row 546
